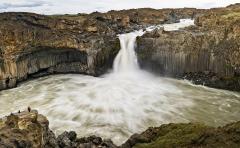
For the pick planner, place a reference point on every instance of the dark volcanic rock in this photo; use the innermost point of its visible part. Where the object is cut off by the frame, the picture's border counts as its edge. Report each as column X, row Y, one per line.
column 70, row 140
column 207, row 53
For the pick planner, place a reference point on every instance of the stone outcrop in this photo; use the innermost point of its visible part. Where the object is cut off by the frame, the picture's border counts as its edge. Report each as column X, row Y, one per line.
column 31, row 130
column 207, row 53
column 188, row 135
column 33, row 45
column 28, row 129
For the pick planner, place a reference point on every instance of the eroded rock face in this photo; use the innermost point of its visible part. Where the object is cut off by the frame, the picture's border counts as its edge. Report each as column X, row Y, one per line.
column 33, row 45
column 207, row 53
column 26, row 130
column 31, row 130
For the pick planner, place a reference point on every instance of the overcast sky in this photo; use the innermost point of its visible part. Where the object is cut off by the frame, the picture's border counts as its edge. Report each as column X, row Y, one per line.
column 87, row 6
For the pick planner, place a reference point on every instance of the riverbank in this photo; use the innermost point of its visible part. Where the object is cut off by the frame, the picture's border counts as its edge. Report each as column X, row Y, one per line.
column 29, row 129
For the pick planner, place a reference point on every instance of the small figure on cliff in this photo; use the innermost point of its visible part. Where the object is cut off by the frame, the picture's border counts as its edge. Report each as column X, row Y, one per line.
column 29, row 109
column 19, row 111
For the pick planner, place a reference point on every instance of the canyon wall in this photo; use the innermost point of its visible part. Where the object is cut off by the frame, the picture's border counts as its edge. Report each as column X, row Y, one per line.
column 33, row 45
column 207, row 53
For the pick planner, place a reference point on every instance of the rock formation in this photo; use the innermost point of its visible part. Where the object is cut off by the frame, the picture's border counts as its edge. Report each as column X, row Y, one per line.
column 184, row 135
column 30, row 129
column 207, row 53
column 26, row 130
column 33, row 45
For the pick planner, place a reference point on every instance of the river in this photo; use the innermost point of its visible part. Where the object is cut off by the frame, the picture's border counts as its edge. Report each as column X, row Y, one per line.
column 124, row 101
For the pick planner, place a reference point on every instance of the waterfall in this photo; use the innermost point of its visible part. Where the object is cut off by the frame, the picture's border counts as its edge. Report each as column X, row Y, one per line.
column 120, row 103
column 126, row 60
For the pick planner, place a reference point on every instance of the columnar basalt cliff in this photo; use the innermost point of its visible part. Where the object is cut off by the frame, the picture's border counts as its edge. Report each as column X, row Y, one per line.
column 29, row 129
column 33, row 45
column 207, row 53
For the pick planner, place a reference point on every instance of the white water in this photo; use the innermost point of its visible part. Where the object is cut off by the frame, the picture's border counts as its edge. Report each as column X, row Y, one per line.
column 126, row 60
column 123, row 102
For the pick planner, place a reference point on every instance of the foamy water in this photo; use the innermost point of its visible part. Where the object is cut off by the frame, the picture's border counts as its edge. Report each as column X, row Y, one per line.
column 117, row 106
column 125, row 101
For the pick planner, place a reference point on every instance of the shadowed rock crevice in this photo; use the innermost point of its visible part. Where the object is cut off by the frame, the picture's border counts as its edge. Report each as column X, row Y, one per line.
column 22, row 67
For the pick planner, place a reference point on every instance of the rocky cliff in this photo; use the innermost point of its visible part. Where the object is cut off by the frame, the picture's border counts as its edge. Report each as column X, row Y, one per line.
column 207, row 53
column 28, row 129
column 33, row 45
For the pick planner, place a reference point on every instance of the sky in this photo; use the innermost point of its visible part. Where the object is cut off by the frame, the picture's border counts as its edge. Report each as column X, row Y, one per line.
column 88, row 6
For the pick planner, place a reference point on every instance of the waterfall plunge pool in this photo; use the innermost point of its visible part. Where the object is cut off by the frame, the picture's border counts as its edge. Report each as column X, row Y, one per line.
column 125, row 101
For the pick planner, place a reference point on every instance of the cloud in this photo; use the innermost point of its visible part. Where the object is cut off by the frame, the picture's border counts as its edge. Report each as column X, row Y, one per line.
column 28, row 4
column 88, row 6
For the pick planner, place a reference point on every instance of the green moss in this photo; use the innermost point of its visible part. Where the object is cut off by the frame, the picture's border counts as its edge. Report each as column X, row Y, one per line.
column 231, row 15
column 1, row 123
column 175, row 135
column 192, row 135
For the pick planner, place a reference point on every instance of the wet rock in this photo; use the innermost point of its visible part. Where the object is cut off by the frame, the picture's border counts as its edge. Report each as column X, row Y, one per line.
column 155, row 33
column 94, row 141
column 67, row 139
column 64, row 141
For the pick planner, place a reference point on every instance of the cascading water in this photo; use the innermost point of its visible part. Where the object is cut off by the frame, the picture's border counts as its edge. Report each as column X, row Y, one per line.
column 126, row 59
column 123, row 102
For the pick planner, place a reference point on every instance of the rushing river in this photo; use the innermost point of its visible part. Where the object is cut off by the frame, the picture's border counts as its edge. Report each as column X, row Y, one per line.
column 127, row 100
